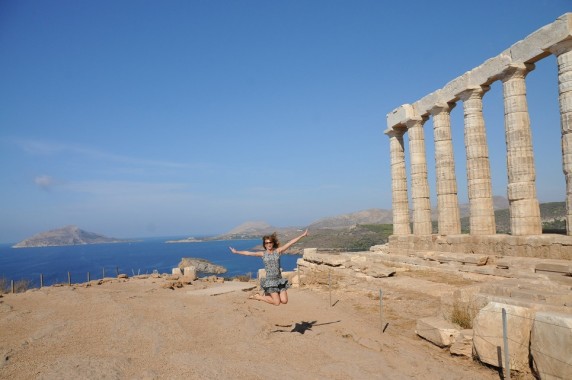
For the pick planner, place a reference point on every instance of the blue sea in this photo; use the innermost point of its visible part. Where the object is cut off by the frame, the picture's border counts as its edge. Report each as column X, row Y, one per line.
column 141, row 257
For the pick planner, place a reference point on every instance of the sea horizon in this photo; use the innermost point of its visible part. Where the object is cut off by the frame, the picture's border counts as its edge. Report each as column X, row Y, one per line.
column 142, row 256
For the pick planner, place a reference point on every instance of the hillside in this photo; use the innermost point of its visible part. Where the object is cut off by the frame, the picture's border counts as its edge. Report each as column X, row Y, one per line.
column 551, row 213
column 360, row 230
column 371, row 216
column 69, row 235
column 251, row 228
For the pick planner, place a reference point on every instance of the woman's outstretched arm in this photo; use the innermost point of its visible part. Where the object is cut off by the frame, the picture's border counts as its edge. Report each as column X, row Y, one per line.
column 292, row 242
column 245, row 253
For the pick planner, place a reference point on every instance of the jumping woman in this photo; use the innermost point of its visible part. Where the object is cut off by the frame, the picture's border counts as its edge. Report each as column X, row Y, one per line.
column 274, row 285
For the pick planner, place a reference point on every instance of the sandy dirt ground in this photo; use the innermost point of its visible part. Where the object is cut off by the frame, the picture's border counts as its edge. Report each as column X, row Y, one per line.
column 135, row 329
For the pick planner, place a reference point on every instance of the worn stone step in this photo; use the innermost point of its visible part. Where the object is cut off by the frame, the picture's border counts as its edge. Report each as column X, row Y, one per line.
column 554, row 267
column 512, row 267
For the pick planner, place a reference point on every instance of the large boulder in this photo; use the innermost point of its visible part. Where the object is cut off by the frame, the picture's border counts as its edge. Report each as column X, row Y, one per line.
column 437, row 331
column 551, row 345
column 201, row 265
column 488, row 335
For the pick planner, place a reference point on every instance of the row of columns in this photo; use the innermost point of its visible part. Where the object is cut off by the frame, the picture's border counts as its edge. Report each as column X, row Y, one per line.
column 521, row 190
column 563, row 52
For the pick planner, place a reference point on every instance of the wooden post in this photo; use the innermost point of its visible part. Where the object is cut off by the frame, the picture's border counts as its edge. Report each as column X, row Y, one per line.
column 380, row 311
column 88, row 279
column 505, row 341
column 330, row 285
column 69, row 279
column 12, row 282
column 103, row 271
column 41, row 280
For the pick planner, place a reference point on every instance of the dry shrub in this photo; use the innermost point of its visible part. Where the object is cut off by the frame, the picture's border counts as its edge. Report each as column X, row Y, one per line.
column 373, row 296
column 243, row 277
column 20, row 286
column 463, row 314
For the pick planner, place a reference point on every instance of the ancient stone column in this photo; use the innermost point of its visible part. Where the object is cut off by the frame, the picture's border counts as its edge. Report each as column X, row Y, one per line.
column 419, row 182
column 523, row 204
column 400, row 199
column 482, row 218
column 447, row 202
column 563, row 52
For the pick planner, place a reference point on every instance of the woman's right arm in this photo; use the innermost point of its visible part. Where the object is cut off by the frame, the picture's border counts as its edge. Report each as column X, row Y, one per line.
column 245, row 253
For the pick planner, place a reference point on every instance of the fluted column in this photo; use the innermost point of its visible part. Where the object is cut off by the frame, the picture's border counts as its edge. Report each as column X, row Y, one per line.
column 563, row 52
column 523, row 204
column 482, row 218
column 447, row 202
column 419, row 182
column 400, row 199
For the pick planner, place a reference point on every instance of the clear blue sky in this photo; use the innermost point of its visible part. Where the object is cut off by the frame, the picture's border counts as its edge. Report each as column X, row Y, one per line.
column 154, row 118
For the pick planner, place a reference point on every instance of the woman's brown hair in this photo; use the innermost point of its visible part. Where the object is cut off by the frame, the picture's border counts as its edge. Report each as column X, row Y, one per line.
column 273, row 238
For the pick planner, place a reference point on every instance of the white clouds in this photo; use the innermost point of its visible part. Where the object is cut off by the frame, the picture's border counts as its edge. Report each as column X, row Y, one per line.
column 133, row 189
column 44, row 182
column 50, row 148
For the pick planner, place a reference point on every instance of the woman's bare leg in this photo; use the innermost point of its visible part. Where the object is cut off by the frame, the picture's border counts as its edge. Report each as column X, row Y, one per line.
column 272, row 298
column 284, row 297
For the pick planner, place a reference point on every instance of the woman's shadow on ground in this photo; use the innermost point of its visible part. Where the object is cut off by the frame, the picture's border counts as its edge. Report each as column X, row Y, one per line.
column 303, row 326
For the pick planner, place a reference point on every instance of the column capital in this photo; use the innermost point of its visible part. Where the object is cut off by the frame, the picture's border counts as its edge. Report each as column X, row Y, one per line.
column 561, row 47
column 477, row 91
column 442, row 107
column 395, row 132
column 415, row 121
column 516, row 71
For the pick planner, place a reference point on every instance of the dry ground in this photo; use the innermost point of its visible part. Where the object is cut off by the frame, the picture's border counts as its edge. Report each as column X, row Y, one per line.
column 135, row 329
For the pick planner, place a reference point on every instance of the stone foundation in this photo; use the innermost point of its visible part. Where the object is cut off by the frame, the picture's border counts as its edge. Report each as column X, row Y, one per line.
column 548, row 246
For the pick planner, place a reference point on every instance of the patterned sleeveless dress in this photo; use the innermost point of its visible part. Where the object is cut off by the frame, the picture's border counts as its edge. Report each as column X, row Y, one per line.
column 273, row 283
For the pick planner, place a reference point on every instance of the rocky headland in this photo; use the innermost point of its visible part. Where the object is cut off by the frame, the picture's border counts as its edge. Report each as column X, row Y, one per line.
column 201, row 265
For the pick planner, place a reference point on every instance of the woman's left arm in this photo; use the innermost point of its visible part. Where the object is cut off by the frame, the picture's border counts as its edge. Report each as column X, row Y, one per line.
column 292, row 242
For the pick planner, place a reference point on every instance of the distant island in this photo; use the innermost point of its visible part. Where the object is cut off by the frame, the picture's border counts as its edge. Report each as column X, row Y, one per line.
column 69, row 235
column 187, row 240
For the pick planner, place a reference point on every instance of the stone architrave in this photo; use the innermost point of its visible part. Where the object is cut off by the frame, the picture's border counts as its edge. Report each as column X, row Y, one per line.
column 482, row 215
column 551, row 345
column 563, row 52
column 523, row 204
column 419, row 182
column 488, row 335
column 447, row 202
column 400, row 199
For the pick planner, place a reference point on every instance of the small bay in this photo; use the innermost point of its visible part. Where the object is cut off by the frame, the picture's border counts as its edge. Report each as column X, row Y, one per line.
column 140, row 257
